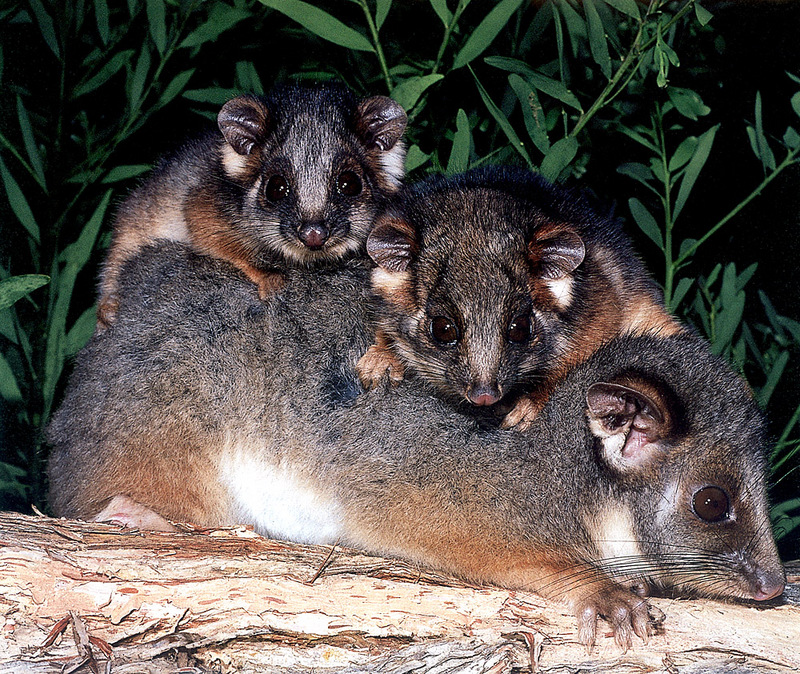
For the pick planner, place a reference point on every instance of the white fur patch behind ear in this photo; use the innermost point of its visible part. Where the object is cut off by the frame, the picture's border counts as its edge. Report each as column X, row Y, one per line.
column 562, row 291
column 388, row 282
column 614, row 535
column 235, row 164
column 393, row 164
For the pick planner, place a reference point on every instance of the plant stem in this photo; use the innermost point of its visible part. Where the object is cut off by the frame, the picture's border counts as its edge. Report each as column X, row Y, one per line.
column 448, row 31
column 666, row 200
column 373, row 29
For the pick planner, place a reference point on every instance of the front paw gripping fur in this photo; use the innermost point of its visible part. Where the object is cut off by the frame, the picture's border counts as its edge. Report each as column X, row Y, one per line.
column 524, row 412
column 377, row 364
column 626, row 612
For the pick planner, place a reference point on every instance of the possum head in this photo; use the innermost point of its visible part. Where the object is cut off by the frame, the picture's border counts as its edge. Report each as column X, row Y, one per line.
column 457, row 274
column 308, row 169
column 689, row 470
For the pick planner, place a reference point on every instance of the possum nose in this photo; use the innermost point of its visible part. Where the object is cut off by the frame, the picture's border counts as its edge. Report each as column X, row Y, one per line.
column 483, row 394
column 768, row 586
column 313, row 234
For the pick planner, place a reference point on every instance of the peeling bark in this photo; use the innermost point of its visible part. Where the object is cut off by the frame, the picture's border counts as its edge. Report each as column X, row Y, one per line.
column 117, row 600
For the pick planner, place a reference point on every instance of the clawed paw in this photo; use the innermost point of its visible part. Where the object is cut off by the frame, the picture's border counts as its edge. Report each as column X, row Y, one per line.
column 523, row 414
column 625, row 612
column 377, row 365
column 125, row 512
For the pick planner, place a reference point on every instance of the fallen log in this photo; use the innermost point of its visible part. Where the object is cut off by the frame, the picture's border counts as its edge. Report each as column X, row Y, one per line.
column 81, row 597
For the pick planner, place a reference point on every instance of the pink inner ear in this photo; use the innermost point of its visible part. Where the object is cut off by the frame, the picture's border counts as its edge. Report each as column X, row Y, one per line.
column 634, row 444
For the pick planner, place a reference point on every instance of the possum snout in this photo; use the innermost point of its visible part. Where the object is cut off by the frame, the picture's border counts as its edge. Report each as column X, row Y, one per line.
column 483, row 394
column 313, row 234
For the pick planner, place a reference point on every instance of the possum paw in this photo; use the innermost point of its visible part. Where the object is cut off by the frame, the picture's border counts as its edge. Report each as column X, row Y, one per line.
column 377, row 365
column 626, row 612
column 125, row 512
column 106, row 311
column 523, row 414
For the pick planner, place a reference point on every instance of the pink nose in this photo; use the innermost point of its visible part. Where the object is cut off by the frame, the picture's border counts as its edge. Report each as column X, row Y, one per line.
column 314, row 234
column 483, row 394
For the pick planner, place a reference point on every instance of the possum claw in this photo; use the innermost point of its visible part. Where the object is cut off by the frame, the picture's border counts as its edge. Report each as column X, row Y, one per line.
column 624, row 611
column 376, row 365
column 523, row 414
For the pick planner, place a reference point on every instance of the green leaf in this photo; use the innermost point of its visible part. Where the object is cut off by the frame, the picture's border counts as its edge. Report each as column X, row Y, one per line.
column 175, row 87
column 486, row 31
column 597, row 38
column 462, row 141
column 683, row 153
column 46, row 26
column 214, row 95
column 101, row 17
column 440, row 7
column 114, row 65
column 774, row 376
column 156, row 17
column 9, row 389
column 415, row 158
column 544, row 84
column 80, row 333
column 502, row 121
column 762, row 148
column 137, row 80
column 321, row 23
column 221, row 18
column 637, row 171
column 558, row 158
column 688, row 102
column 576, row 26
column 247, row 77
column 791, row 139
column 407, row 93
column 796, row 103
column 30, row 141
column 19, row 204
column 683, row 287
column 698, row 160
column 646, row 222
column 125, row 172
column 16, row 287
column 628, row 7
column 532, row 112
column 382, row 8
column 726, row 323
column 702, row 14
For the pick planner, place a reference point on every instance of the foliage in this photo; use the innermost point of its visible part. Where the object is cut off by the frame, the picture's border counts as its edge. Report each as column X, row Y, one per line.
column 92, row 92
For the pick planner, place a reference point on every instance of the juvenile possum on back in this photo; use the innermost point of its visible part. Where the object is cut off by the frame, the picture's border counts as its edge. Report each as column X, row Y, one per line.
column 646, row 467
column 293, row 178
column 494, row 283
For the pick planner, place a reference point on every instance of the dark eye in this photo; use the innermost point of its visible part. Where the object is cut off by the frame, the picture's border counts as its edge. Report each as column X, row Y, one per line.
column 519, row 330
column 277, row 188
column 711, row 504
column 444, row 330
column 349, row 184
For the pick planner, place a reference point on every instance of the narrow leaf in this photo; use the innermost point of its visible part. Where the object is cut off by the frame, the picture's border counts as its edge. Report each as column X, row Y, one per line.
column 532, row 112
column 110, row 69
column 221, row 18
column 138, row 78
column 688, row 102
column 646, row 222
column 28, row 138
column 16, row 287
column 727, row 321
column 791, row 139
column 444, row 14
column 46, row 26
column 321, row 23
column 175, row 87
column 19, row 204
column 502, row 121
column 125, row 172
column 462, row 141
column 558, row 158
column 764, row 152
column 598, row 44
column 486, row 31
column 407, row 93
column 775, row 374
column 628, row 7
column 80, row 333
column 9, row 389
column 696, row 164
column 683, row 153
column 101, row 17
column 683, row 287
column 381, row 11
column 156, row 16
column 415, row 158
column 702, row 14
column 796, row 103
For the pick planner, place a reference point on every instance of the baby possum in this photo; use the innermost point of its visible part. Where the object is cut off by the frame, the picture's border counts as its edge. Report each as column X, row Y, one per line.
column 646, row 468
column 293, row 178
column 494, row 283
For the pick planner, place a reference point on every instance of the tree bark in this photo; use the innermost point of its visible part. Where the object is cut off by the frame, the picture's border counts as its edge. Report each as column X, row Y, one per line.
column 95, row 598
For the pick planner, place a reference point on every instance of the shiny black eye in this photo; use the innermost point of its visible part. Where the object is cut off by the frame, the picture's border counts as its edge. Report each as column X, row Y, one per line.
column 519, row 330
column 711, row 504
column 444, row 330
column 277, row 188
column 349, row 184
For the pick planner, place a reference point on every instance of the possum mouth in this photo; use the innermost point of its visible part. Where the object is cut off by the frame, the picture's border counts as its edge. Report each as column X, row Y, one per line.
column 332, row 248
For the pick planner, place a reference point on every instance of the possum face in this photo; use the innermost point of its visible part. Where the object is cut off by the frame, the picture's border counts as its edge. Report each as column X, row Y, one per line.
column 458, row 276
column 691, row 474
column 313, row 167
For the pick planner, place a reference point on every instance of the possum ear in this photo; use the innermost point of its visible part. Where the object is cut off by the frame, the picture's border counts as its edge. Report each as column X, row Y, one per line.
column 392, row 243
column 630, row 419
column 555, row 252
column 244, row 121
column 380, row 122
